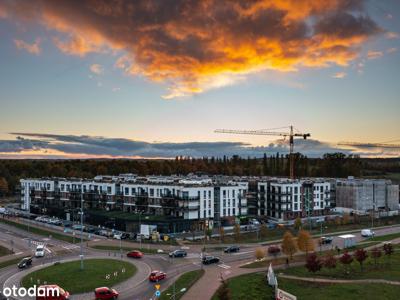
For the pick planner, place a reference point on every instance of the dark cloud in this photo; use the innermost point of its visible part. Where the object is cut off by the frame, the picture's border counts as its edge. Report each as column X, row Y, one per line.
column 196, row 45
column 90, row 146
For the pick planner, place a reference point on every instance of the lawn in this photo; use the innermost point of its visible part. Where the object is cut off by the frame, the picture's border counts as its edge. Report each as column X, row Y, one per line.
column 124, row 249
column 249, row 286
column 386, row 237
column 382, row 270
column 5, row 251
column 10, row 262
column 254, row 286
column 349, row 291
column 69, row 276
column 42, row 232
column 184, row 281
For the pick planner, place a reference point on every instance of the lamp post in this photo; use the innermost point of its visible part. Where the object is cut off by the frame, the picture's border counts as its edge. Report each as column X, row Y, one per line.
column 81, row 213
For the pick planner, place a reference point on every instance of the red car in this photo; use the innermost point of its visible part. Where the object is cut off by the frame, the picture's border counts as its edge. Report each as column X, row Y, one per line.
column 105, row 293
column 135, row 254
column 156, row 276
column 51, row 292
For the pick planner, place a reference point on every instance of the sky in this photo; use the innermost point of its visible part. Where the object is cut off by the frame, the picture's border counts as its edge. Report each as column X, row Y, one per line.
column 154, row 79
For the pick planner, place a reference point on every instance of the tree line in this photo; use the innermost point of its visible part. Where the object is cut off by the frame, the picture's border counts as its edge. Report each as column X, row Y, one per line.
column 330, row 165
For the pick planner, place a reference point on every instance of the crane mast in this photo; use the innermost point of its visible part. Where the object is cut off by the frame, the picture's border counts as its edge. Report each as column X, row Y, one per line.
column 291, row 134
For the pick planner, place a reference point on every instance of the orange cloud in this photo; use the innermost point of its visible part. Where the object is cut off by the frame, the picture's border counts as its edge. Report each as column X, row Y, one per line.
column 96, row 69
column 33, row 48
column 339, row 75
column 374, row 54
column 195, row 46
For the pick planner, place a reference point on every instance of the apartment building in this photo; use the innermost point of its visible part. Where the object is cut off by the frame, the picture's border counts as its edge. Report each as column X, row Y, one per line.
column 284, row 199
column 365, row 195
column 189, row 198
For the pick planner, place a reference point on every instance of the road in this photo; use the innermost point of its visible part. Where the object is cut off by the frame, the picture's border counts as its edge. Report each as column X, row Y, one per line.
column 138, row 287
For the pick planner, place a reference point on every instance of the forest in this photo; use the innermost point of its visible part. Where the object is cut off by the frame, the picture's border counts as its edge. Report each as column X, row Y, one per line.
column 330, row 165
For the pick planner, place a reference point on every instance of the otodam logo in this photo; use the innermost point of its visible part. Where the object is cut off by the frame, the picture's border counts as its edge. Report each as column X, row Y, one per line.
column 33, row 291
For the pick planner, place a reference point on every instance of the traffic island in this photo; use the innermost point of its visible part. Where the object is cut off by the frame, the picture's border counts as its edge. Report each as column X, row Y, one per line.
column 69, row 276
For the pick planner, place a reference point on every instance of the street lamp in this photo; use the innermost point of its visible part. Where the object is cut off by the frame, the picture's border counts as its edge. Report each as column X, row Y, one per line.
column 81, row 213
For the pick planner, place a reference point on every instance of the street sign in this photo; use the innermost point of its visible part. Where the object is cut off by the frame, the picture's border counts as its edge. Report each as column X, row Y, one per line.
column 282, row 295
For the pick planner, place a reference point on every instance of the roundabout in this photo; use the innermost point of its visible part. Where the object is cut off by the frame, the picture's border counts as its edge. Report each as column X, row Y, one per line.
column 69, row 276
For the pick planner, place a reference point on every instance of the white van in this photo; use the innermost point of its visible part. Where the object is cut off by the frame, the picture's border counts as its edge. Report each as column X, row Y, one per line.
column 367, row 233
column 39, row 251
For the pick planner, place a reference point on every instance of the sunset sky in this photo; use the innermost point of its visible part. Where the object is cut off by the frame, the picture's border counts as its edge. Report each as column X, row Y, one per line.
column 155, row 78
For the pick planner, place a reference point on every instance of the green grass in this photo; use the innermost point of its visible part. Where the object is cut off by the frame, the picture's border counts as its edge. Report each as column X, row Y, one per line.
column 349, row 291
column 5, row 251
column 7, row 263
column 184, row 281
column 254, row 286
column 69, row 276
column 125, row 249
column 384, row 269
column 249, row 286
column 42, row 232
column 387, row 237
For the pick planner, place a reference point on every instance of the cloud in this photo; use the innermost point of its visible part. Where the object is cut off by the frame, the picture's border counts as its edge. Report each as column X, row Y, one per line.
column 390, row 35
column 194, row 46
column 339, row 75
column 115, row 89
column 374, row 54
column 72, row 146
column 391, row 50
column 97, row 69
column 33, row 48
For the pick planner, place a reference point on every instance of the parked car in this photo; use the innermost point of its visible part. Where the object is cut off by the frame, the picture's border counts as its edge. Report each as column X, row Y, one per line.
column 231, row 249
column 105, row 293
column 326, row 240
column 125, row 236
column 51, row 292
column 274, row 250
column 39, row 251
column 117, row 236
column 210, row 260
column 25, row 263
column 367, row 233
column 178, row 253
column 135, row 254
column 156, row 276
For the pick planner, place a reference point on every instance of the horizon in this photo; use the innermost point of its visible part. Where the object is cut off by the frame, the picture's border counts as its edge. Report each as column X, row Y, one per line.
column 153, row 80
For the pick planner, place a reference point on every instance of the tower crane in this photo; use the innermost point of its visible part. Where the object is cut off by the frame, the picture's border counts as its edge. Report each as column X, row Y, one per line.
column 291, row 134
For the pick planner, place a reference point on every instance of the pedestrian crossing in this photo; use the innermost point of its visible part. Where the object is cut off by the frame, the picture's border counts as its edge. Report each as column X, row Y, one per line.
column 224, row 266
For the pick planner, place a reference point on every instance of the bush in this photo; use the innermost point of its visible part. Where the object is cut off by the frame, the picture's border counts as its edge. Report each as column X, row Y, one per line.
column 313, row 263
column 260, row 253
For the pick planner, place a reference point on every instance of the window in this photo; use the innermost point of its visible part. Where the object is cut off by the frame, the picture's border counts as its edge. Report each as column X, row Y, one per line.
column 295, row 189
column 209, row 194
column 209, row 212
column 205, row 204
column 133, row 191
column 109, row 190
column 126, row 191
column 204, row 213
column 295, row 198
column 224, row 204
column 233, row 202
column 224, row 212
column 151, row 192
column 296, row 206
column 229, row 211
column 67, row 187
column 224, row 193
column 205, row 194
column 233, row 211
column 209, row 203
column 62, row 187
column 233, row 193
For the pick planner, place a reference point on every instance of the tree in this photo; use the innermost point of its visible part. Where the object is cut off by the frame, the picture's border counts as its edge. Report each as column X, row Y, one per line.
column 304, row 241
column 330, row 261
column 224, row 292
column 3, row 186
column 376, row 253
column 222, row 234
column 297, row 223
column 346, row 259
column 388, row 249
column 260, row 253
column 263, row 231
column 313, row 263
column 360, row 255
column 236, row 232
column 289, row 246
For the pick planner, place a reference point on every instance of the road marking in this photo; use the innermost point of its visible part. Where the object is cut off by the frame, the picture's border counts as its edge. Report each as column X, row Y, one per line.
column 70, row 247
column 18, row 253
column 240, row 253
column 162, row 257
column 224, row 266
